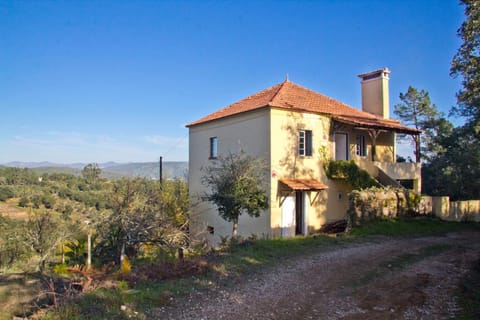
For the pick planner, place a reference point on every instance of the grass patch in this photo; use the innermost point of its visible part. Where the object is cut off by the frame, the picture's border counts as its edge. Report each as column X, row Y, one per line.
column 244, row 258
column 411, row 226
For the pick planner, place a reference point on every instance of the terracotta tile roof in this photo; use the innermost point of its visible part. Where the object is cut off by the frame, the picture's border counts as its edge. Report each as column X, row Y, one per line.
column 258, row 100
column 291, row 96
column 303, row 184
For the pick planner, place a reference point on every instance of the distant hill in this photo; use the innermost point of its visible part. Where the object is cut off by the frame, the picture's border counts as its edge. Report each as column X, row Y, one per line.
column 171, row 170
column 45, row 164
column 112, row 170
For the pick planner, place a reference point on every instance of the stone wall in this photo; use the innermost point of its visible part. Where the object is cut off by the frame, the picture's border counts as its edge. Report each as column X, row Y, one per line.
column 468, row 210
column 391, row 202
column 377, row 202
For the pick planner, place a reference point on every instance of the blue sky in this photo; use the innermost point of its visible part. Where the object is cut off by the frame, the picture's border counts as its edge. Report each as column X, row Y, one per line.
column 93, row 81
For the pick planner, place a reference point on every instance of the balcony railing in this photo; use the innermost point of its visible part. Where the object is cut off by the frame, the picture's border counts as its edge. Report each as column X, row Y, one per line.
column 401, row 170
column 395, row 170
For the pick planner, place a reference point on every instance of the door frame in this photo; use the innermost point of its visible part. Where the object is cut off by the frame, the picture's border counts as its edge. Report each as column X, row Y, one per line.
column 347, row 153
column 288, row 216
column 301, row 213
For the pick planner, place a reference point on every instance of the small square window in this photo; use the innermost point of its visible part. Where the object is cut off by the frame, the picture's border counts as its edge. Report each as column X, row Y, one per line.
column 305, row 143
column 213, row 148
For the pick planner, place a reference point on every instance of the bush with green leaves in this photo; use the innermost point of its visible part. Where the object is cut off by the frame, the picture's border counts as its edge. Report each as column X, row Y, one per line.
column 13, row 249
column 349, row 172
column 6, row 193
column 48, row 200
column 23, row 202
column 36, row 201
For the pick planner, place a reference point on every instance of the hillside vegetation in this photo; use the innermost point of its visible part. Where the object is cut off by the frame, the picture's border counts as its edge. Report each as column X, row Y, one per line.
column 47, row 220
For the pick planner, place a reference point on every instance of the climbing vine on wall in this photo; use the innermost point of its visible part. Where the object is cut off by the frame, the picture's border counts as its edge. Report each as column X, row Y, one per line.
column 349, row 172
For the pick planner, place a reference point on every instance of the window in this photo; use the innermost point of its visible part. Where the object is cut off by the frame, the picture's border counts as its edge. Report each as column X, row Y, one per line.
column 213, row 148
column 361, row 147
column 305, row 143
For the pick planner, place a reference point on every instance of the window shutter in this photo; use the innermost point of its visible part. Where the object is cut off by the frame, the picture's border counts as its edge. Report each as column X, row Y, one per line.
column 308, row 143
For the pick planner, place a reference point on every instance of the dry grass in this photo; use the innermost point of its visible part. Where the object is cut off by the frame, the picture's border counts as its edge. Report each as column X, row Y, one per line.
column 9, row 209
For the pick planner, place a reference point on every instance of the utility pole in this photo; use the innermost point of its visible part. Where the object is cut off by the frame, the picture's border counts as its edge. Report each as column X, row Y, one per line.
column 160, row 172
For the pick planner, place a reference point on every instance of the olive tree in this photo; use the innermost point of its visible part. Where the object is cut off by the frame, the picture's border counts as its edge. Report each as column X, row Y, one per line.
column 139, row 215
column 43, row 233
column 236, row 185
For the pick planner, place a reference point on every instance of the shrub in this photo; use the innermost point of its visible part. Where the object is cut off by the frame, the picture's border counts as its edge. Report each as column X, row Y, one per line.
column 126, row 267
column 6, row 193
column 60, row 269
column 122, row 285
column 36, row 201
column 48, row 201
column 23, row 202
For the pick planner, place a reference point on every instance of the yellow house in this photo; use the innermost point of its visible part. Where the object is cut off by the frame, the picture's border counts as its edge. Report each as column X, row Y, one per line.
column 296, row 130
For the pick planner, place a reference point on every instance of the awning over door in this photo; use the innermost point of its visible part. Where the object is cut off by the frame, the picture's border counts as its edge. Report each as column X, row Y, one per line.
column 302, row 184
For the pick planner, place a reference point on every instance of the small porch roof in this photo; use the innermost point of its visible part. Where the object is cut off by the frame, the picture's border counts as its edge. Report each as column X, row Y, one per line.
column 303, row 184
column 376, row 123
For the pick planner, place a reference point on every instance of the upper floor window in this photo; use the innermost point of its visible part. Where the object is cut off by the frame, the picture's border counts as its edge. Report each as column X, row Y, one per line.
column 213, row 148
column 361, row 147
column 305, row 143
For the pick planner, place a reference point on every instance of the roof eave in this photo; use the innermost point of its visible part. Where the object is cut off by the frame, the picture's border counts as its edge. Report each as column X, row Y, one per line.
column 200, row 122
column 398, row 128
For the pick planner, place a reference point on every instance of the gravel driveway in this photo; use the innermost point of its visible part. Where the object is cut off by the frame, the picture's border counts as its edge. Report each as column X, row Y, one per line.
column 406, row 278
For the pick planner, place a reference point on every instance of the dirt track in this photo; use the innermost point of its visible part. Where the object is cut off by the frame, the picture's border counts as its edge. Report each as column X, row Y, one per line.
column 382, row 279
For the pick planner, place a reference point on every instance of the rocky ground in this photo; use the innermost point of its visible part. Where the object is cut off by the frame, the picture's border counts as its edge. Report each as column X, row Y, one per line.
column 406, row 278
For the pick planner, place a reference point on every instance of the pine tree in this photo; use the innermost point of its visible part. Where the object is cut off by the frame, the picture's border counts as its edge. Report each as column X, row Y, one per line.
column 466, row 64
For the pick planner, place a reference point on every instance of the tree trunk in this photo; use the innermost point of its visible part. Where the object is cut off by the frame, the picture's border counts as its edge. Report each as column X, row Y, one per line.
column 89, row 250
column 63, row 252
column 122, row 253
column 235, row 228
column 43, row 263
column 417, row 148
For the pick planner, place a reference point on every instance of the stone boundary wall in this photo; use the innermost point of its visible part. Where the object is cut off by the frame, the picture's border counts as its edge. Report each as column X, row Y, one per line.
column 392, row 202
column 376, row 202
column 443, row 208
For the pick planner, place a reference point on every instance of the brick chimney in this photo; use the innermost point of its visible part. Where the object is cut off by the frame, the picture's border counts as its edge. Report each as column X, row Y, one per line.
column 375, row 92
